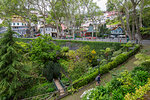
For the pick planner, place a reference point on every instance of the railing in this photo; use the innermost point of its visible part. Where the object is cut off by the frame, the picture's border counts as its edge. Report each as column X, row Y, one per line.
column 41, row 97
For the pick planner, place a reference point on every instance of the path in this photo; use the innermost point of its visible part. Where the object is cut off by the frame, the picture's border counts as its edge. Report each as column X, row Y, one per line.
column 60, row 88
column 129, row 65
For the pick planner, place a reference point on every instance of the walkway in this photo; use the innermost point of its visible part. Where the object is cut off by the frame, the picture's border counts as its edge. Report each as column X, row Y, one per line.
column 60, row 88
column 129, row 65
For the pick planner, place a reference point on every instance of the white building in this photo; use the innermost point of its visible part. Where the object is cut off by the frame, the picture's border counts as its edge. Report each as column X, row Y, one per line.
column 20, row 26
column 49, row 29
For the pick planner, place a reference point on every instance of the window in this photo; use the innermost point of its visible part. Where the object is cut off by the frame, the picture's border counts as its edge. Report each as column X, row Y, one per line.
column 22, row 24
column 13, row 23
column 17, row 23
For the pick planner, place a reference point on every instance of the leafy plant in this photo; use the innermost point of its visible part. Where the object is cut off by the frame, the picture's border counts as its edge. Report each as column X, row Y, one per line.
column 141, row 58
column 139, row 92
column 43, row 50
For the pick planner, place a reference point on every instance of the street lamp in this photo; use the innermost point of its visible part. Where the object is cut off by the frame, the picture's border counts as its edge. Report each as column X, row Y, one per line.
column 99, row 60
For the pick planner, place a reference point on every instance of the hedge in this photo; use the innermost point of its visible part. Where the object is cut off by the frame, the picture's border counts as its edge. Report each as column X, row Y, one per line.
column 97, row 45
column 105, row 69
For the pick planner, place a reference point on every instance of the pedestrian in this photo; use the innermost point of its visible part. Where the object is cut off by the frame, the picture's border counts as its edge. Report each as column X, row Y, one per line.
column 97, row 80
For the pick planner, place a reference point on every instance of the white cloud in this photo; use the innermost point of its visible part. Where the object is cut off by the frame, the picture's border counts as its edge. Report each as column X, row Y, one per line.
column 101, row 4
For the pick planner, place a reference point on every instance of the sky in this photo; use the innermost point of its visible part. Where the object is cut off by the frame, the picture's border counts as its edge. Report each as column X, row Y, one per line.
column 101, row 4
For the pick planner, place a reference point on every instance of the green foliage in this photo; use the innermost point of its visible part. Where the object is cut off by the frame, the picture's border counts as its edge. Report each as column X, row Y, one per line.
column 140, row 77
column 104, row 69
column 146, row 15
column 51, row 70
column 94, row 45
column 65, row 49
column 103, row 30
column 38, row 90
column 43, row 50
column 127, row 45
column 12, row 69
column 120, row 86
column 145, row 30
column 141, row 91
column 142, row 58
column 78, row 69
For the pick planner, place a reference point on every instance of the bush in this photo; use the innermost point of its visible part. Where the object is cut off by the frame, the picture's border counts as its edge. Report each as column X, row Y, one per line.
column 140, row 77
column 139, row 92
column 65, row 49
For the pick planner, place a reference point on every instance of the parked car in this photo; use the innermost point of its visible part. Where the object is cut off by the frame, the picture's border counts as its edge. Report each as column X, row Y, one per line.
column 121, row 36
column 38, row 34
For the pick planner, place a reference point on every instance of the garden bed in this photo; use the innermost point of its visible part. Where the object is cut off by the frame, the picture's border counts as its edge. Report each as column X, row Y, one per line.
column 104, row 69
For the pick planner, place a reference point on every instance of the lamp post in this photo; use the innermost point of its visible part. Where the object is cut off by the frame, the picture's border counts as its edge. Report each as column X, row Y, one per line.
column 99, row 60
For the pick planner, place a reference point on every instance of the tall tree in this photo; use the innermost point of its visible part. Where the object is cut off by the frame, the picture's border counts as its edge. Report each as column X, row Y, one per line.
column 12, row 69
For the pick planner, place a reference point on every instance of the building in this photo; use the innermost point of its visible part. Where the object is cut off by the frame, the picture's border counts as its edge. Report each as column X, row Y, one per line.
column 108, row 15
column 116, row 32
column 87, row 31
column 20, row 26
column 49, row 29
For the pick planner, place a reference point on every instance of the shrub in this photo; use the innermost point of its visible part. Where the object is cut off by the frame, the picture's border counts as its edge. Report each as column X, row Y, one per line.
column 140, row 78
column 65, row 49
column 117, row 95
column 139, row 92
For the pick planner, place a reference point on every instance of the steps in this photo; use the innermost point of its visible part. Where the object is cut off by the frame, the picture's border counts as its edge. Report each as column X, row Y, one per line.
column 59, row 86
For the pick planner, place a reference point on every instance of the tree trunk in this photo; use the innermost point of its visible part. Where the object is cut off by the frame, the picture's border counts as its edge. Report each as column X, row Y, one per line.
column 58, row 33
column 127, row 20
column 141, row 10
column 136, row 24
column 133, row 28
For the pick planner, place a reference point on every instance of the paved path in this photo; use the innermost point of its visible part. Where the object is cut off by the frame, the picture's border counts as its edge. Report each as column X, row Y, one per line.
column 129, row 65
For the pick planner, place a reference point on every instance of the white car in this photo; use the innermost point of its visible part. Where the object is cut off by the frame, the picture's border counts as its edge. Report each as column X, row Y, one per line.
column 121, row 36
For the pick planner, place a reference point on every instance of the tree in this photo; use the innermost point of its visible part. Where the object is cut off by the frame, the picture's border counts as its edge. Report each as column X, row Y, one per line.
column 119, row 8
column 135, row 17
column 12, row 69
column 109, row 6
column 103, row 30
column 92, row 11
column 45, row 52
